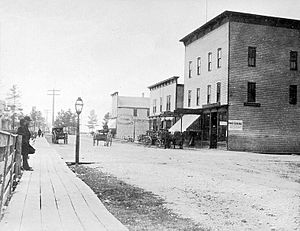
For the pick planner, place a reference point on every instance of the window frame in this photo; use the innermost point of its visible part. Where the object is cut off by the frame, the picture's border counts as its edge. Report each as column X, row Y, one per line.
column 218, row 96
column 209, row 63
column 251, row 92
column 219, row 57
column 198, row 65
column 154, row 106
column 251, row 56
column 168, row 105
column 293, row 94
column 208, row 94
column 189, row 102
column 135, row 112
column 293, row 60
column 190, row 69
column 160, row 104
column 198, row 96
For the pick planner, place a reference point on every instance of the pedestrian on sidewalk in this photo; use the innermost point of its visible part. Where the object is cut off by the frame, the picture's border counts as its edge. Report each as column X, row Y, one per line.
column 39, row 132
column 25, row 133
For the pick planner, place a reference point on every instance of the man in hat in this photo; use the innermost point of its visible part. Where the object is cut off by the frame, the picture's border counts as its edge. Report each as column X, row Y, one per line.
column 25, row 133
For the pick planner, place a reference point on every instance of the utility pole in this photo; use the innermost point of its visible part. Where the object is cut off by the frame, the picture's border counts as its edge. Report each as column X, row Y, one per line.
column 54, row 93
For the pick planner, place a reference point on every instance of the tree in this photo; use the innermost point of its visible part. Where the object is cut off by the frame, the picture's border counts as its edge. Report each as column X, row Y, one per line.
column 37, row 119
column 66, row 119
column 105, row 121
column 14, row 104
column 92, row 120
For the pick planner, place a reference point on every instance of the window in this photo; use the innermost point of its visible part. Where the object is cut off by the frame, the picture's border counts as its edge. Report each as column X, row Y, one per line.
column 189, row 97
column 208, row 94
column 251, row 92
column 198, row 66
column 154, row 106
column 134, row 112
column 168, row 108
column 293, row 94
column 218, row 92
column 160, row 104
column 251, row 56
column 190, row 69
column 148, row 112
column 293, row 60
column 209, row 61
column 198, row 97
column 219, row 56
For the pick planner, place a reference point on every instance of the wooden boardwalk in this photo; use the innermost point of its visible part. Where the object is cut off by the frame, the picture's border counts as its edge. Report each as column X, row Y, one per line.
column 52, row 198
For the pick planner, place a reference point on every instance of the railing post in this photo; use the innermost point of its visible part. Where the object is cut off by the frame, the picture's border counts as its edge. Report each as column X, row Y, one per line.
column 4, row 172
column 18, row 156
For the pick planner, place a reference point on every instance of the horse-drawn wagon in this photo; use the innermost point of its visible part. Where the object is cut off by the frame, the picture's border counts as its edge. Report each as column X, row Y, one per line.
column 59, row 134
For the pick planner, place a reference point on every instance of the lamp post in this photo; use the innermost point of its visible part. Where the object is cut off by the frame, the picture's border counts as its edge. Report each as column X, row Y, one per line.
column 78, row 108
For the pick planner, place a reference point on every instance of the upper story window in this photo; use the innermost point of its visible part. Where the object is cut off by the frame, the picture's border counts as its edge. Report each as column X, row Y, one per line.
column 190, row 69
column 168, row 106
column 198, row 66
column 251, row 97
column 198, row 97
column 208, row 94
column 135, row 112
column 293, row 60
column 154, row 106
column 209, row 61
column 160, row 104
column 189, row 97
column 293, row 94
column 148, row 112
column 218, row 92
column 219, row 57
column 251, row 56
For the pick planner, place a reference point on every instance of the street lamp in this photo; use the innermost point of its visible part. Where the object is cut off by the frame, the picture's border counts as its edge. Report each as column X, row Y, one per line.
column 78, row 108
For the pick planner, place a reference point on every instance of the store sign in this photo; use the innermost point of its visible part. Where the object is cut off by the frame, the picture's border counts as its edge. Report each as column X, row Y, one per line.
column 125, row 119
column 235, row 125
column 224, row 123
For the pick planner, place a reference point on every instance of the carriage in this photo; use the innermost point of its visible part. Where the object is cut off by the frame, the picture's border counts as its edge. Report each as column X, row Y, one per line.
column 102, row 135
column 59, row 134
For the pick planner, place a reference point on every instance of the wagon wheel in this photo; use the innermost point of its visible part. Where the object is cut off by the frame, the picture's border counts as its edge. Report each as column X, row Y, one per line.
column 158, row 143
column 147, row 141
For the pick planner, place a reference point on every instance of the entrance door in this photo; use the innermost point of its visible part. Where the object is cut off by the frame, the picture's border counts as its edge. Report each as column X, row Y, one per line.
column 214, row 130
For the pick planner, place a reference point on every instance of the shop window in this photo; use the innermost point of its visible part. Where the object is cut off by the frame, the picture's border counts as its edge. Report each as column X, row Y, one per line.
column 251, row 56
column 293, row 60
column 293, row 94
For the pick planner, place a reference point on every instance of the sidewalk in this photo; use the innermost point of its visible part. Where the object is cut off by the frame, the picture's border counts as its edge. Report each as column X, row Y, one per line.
column 52, row 198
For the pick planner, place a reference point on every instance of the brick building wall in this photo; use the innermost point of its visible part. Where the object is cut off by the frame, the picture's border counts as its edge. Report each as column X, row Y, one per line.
column 275, row 125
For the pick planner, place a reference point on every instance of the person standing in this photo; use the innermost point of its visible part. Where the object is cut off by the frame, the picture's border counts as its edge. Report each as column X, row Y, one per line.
column 25, row 133
column 39, row 132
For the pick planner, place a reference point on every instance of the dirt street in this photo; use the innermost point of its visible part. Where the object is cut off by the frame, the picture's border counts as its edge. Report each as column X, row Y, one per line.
column 221, row 190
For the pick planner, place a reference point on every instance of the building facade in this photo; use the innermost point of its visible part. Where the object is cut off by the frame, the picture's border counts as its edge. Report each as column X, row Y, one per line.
column 129, row 116
column 165, row 97
column 242, row 77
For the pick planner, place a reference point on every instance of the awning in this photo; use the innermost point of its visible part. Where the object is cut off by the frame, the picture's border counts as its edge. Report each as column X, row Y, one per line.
column 112, row 123
column 187, row 121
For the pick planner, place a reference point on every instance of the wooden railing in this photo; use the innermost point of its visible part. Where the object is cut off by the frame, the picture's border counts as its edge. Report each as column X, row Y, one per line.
column 10, row 165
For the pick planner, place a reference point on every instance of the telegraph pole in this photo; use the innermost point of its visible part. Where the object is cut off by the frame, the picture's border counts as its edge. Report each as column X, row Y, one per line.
column 54, row 93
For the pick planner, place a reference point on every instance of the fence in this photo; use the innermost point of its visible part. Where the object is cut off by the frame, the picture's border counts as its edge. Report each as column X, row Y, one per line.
column 10, row 165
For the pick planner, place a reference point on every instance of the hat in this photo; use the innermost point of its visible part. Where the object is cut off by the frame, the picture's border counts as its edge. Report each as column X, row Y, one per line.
column 27, row 118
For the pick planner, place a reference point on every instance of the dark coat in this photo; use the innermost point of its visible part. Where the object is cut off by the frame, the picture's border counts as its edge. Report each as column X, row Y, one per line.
column 25, row 133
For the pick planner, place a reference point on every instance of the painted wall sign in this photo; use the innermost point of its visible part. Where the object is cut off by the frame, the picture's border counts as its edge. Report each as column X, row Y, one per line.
column 235, row 125
column 125, row 119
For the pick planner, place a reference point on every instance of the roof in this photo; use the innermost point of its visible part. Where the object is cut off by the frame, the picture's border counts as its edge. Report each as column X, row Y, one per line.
column 166, row 81
column 133, row 102
column 232, row 16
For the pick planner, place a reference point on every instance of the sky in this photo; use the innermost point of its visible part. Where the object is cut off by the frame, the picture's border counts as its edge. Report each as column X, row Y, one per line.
column 92, row 48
